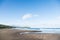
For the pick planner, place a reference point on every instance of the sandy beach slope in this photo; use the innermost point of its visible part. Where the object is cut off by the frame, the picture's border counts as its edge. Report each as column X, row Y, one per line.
column 13, row 34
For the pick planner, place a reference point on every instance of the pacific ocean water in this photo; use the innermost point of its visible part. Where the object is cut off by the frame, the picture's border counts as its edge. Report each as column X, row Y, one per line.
column 44, row 30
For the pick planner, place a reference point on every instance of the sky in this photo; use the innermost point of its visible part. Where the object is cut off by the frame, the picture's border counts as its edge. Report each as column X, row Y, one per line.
column 30, row 13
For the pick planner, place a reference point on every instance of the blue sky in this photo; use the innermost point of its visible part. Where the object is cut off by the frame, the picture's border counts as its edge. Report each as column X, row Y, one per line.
column 32, row 13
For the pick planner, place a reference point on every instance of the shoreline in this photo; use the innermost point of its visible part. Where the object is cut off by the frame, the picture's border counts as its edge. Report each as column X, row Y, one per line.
column 14, row 34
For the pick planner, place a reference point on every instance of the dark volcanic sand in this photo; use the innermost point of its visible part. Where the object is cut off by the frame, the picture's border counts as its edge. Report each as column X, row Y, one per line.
column 13, row 34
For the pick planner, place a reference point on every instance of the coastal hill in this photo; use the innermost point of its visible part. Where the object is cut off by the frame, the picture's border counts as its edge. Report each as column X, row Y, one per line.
column 6, row 26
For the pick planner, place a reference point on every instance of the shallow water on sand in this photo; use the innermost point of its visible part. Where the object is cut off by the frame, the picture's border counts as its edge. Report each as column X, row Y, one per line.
column 50, row 30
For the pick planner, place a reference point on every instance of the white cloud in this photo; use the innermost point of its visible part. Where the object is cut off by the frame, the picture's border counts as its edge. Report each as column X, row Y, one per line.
column 58, row 17
column 40, row 23
column 26, row 16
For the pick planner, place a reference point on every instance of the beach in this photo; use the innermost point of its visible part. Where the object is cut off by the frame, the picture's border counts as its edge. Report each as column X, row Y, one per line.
column 14, row 34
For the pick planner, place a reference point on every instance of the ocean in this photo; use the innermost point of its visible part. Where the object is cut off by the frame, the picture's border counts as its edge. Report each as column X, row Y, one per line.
column 44, row 30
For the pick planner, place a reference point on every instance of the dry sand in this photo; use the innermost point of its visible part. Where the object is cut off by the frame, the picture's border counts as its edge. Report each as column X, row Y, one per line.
column 13, row 34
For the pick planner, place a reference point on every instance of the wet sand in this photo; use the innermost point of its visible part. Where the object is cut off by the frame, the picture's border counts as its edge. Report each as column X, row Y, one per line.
column 13, row 34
